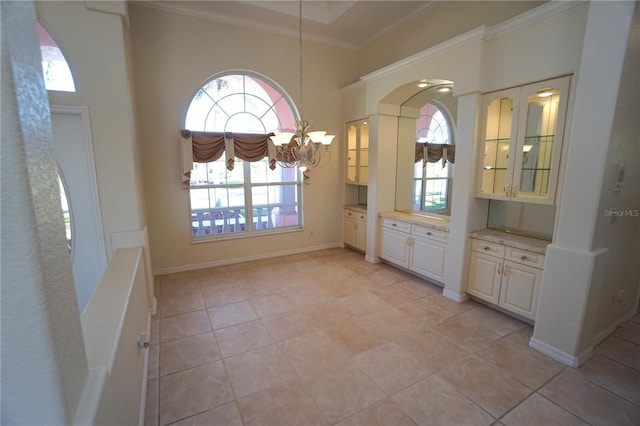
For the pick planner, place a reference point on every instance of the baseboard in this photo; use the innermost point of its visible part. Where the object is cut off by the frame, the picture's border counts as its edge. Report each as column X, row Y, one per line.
column 455, row 296
column 558, row 355
column 192, row 267
column 612, row 328
column 372, row 259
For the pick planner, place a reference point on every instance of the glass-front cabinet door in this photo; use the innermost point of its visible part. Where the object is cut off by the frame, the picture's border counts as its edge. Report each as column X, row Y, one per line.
column 358, row 152
column 500, row 133
column 541, row 124
column 522, row 142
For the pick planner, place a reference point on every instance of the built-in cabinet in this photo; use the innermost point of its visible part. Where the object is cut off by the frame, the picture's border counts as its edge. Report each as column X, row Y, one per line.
column 419, row 248
column 522, row 132
column 505, row 276
column 355, row 228
column 357, row 134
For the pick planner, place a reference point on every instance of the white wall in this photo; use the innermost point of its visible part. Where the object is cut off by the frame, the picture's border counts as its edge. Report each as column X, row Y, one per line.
column 173, row 56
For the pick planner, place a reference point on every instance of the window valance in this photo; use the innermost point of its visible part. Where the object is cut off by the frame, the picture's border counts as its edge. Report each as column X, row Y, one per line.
column 203, row 147
column 434, row 152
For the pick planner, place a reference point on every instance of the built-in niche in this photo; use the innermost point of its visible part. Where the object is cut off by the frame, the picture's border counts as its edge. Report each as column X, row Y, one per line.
column 412, row 193
column 535, row 220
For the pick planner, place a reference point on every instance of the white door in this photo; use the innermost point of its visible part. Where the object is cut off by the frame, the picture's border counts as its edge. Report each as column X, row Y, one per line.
column 74, row 153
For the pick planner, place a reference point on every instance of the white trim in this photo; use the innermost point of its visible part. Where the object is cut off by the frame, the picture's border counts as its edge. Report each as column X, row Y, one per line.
column 372, row 259
column 558, row 355
column 83, row 112
column 481, row 33
column 529, row 17
column 455, row 42
column 455, row 296
column 185, row 268
column 91, row 396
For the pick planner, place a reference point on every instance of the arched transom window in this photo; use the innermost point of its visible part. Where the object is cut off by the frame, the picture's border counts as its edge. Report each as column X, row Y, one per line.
column 432, row 182
column 57, row 74
column 250, row 199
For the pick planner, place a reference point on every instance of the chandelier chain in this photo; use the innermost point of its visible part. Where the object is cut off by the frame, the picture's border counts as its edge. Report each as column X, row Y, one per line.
column 300, row 42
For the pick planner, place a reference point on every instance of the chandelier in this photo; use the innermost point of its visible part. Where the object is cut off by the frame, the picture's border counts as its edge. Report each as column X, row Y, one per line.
column 303, row 149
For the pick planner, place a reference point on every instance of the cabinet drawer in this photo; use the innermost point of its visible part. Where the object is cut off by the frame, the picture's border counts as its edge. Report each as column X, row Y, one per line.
column 396, row 224
column 492, row 249
column 433, row 234
column 524, row 257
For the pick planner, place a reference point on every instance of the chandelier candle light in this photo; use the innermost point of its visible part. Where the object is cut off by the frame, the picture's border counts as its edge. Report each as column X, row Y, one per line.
column 310, row 149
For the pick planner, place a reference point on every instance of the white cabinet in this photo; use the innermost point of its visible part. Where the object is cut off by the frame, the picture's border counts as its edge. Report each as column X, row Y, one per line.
column 358, row 152
column 420, row 249
column 522, row 132
column 355, row 229
column 505, row 276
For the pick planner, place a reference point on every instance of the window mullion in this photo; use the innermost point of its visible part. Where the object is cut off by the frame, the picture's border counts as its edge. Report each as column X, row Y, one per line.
column 248, row 197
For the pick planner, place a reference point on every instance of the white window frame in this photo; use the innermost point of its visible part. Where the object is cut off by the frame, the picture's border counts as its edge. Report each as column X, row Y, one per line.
column 229, row 225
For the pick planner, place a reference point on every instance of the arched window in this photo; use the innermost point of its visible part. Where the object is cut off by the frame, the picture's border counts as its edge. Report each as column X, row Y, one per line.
column 251, row 199
column 57, row 74
column 432, row 182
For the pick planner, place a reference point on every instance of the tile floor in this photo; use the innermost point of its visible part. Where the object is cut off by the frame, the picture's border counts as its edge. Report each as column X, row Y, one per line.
column 342, row 341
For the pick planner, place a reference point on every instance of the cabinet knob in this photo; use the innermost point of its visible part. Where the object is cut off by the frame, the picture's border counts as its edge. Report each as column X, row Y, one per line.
column 523, row 257
column 487, row 248
column 393, row 224
column 361, row 217
column 429, row 233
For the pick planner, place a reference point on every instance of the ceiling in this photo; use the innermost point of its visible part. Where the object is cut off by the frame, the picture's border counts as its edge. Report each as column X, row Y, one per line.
column 348, row 24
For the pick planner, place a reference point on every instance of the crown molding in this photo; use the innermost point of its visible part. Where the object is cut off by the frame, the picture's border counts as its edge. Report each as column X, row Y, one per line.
column 187, row 11
column 481, row 33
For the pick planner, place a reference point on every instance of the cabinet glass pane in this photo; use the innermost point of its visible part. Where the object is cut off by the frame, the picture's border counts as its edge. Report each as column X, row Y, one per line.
column 497, row 142
column 542, row 110
column 352, row 137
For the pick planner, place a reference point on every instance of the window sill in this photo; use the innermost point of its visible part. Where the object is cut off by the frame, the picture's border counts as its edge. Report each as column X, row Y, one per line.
column 242, row 235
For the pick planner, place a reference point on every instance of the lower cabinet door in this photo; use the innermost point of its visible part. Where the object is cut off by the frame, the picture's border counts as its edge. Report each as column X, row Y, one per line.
column 428, row 258
column 350, row 236
column 485, row 274
column 520, row 288
column 361, row 235
column 394, row 247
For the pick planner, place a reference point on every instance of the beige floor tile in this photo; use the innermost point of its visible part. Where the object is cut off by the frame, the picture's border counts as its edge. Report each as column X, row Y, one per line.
column 425, row 311
column 486, row 385
column 524, row 364
column 283, row 404
column 363, row 303
column 193, row 391
column 449, row 305
column 432, row 350
column 151, row 404
column 328, row 314
column 243, row 266
column 188, row 352
column 391, row 323
column 433, row 401
column 180, row 305
column 153, row 369
column 630, row 332
column 589, row 401
column 362, row 267
column 274, row 304
column 179, row 278
column 211, row 282
column 218, row 296
column 493, row 320
column 537, row 410
column 211, row 273
column 231, row 314
column 613, row 376
column 241, row 338
column 184, row 325
column 312, row 351
column 389, row 275
column 225, row 415
column 395, row 294
column 620, row 350
column 257, row 370
column 420, row 288
column 171, row 289
column 384, row 413
column 356, row 337
column 341, row 390
column 341, row 287
column 261, row 288
column 289, row 325
column 307, row 296
column 466, row 333
column 391, row 367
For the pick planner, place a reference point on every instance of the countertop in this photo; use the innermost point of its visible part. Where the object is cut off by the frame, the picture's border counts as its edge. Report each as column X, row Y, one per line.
column 362, row 208
column 440, row 224
column 534, row 245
